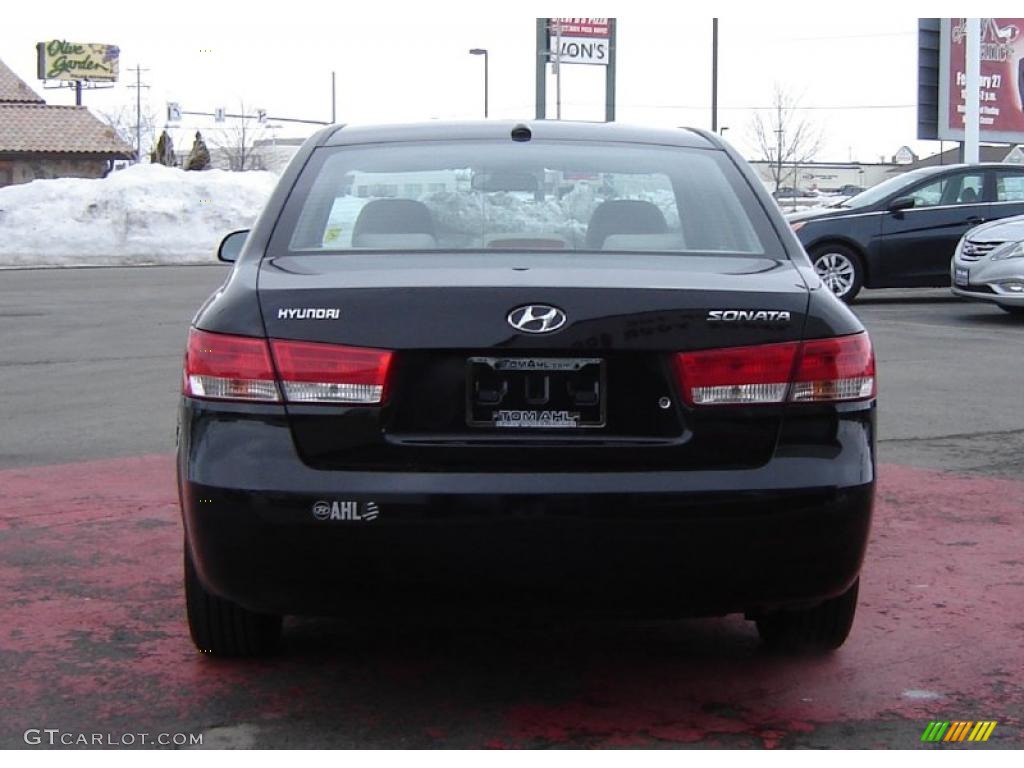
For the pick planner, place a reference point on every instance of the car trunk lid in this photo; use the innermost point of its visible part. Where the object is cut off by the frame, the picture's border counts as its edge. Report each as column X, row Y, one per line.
column 447, row 317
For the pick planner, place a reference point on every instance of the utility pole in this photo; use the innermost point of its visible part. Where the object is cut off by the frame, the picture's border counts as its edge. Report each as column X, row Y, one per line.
column 138, row 109
column 334, row 99
column 714, row 75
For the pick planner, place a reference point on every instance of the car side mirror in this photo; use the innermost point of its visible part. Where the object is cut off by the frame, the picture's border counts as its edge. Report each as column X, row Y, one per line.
column 902, row 203
column 231, row 246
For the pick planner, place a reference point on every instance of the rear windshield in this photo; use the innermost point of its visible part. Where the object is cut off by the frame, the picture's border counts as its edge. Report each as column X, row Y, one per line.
column 494, row 195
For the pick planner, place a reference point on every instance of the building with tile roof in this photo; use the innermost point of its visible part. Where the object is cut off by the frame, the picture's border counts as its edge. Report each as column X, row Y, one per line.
column 48, row 141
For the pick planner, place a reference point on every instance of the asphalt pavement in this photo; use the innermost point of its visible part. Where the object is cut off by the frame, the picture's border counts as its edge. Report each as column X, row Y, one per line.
column 91, row 358
column 90, row 362
column 92, row 633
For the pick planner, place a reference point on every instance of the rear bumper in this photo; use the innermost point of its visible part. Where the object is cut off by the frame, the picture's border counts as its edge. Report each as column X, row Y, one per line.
column 787, row 534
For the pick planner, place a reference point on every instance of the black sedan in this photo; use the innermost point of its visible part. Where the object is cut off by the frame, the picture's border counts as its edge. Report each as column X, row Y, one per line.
column 430, row 383
column 902, row 232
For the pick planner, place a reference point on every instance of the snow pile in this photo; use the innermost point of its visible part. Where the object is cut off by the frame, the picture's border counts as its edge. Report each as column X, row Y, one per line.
column 145, row 214
column 466, row 218
column 567, row 217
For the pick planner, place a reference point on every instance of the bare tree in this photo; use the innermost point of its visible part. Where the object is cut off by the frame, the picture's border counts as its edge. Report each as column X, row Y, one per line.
column 123, row 120
column 236, row 144
column 785, row 139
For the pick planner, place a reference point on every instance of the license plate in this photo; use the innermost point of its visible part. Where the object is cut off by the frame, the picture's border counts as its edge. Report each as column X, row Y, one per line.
column 535, row 392
column 961, row 276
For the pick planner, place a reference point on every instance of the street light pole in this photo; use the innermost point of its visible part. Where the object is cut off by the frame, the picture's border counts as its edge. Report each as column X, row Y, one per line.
column 483, row 52
column 714, row 75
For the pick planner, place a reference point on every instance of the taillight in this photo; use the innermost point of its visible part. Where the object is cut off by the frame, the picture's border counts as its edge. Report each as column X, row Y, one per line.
column 219, row 366
column 831, row 370
column 736, row 375
column 822, row 370
column 222, row 367
column 312, row 372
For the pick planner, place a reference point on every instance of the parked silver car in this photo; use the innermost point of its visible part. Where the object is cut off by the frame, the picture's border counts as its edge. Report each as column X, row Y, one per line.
column 988, row 264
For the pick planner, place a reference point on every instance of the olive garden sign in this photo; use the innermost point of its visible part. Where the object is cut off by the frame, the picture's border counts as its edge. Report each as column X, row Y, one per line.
column 61, row 60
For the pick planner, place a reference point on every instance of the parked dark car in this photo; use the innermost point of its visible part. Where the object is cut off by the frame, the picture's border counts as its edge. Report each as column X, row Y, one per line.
column 902, row 232
column 849, row 190
column 787, row 193
column 428, row 384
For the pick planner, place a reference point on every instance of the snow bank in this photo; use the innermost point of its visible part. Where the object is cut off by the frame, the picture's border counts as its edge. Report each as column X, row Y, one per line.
column 145, row 214
column 464, row 218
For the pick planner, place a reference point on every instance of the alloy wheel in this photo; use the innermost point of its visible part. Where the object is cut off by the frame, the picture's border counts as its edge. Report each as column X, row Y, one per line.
column 836, row 271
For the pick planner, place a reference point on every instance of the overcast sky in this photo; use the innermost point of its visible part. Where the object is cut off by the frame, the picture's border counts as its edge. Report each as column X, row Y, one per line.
column 855, row 75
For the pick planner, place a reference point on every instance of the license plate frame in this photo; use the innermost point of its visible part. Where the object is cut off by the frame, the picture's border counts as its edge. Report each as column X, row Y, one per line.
column 961, row 276
column 498, row 393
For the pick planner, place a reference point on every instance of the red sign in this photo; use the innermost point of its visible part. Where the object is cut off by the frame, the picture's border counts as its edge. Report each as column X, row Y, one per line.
column 580, row 27
column 1002, row 80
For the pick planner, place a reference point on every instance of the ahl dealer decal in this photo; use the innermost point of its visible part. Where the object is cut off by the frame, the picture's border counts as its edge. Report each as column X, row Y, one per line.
column 350, row 511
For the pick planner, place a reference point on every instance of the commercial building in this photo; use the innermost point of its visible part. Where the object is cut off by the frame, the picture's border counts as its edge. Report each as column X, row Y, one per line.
column 48, row 141
column 828, row 177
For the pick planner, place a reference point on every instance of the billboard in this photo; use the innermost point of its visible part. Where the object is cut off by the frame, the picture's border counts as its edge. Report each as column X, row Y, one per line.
column 1002, row 80
column 62, row 60
column 582, row 41
column 582, row 27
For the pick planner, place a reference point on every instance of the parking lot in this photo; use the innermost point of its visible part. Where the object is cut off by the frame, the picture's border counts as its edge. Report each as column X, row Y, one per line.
column 93, row 637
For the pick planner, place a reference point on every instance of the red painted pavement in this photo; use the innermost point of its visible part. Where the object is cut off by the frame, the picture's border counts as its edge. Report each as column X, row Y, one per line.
column 92, row 639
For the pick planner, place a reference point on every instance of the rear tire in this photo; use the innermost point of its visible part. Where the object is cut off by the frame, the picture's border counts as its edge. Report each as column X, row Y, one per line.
column 1019, row 311
column 822, row 628
column 840, row 269
column 220, row 627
